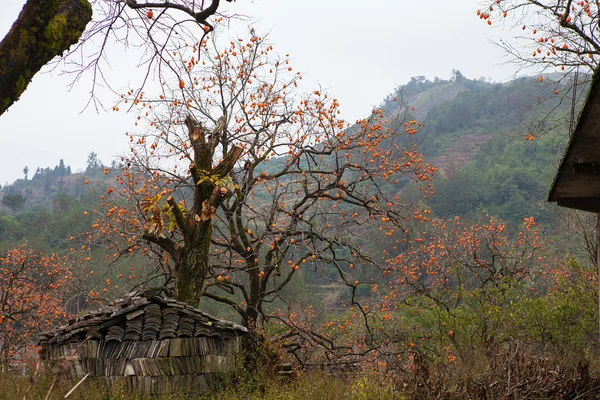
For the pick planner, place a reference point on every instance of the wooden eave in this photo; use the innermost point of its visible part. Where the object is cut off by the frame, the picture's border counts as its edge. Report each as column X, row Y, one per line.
column 577, row 182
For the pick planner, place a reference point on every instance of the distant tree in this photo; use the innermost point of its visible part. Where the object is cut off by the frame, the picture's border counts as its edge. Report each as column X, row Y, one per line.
column 92, row 161
column 60, row 170
column 457, row 76
column 94, row 165
column 26, row 171
column 47, row 179
column 116, row 165
column 60, row 185
column 31, row 290
column 62, row 202
column 14, row 201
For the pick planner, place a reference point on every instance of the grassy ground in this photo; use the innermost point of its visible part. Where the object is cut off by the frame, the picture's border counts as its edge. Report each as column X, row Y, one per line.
column 512, row 372
column 306, row 387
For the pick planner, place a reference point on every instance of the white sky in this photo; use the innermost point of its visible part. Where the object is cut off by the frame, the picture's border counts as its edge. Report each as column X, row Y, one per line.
column 358, row 50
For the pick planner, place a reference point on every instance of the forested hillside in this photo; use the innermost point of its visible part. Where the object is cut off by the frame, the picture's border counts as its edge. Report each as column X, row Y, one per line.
column 46, row 209
column 477, row 133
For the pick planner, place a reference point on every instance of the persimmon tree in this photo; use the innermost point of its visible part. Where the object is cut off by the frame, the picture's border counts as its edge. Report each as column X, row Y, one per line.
column 46, row 29
column 455, row 257
column 241, row 181
column 556, row 33
column 463, row 284
column 32, row 289
column 458, row 286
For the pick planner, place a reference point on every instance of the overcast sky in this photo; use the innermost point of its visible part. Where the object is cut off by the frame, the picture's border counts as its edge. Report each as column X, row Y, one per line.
column 359, row 50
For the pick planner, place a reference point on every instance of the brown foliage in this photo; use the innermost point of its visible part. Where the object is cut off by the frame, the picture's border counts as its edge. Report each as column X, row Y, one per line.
column 32, row 287
column 510, row 372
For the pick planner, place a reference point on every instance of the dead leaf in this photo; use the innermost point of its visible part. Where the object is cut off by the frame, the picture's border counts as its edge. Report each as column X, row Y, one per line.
column 208, row 211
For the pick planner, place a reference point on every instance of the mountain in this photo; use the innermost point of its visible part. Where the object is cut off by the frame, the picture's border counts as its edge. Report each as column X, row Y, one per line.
column 497, row 145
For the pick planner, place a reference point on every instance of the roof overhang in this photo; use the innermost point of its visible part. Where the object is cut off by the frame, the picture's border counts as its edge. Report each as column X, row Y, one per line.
column 577, row 181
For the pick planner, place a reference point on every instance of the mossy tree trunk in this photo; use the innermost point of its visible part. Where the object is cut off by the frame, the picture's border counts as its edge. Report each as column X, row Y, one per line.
column 45, row 29
column 192, row 272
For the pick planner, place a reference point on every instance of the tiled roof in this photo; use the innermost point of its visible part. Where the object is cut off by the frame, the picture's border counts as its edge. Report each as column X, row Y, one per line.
column 141, row 316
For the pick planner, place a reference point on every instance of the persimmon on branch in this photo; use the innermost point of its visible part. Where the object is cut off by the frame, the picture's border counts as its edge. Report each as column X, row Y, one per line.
column 47, row 32
column 243, row 182
column 455, row 269
column 460, row 258
column 556, row 33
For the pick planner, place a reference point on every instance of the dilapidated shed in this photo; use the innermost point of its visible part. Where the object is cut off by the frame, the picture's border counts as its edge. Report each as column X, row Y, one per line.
column 148, row 344
column 577, row 181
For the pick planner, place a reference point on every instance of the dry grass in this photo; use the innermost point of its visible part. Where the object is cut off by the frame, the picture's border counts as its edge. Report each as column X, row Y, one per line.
column 307, row 386
column 502, row 373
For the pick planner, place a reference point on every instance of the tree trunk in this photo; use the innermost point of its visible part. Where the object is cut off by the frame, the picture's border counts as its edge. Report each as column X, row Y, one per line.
column 45, row 29
column 192, row 260
column 251, row 316
column 252, row 309
column 193, row 271
column 598, row 267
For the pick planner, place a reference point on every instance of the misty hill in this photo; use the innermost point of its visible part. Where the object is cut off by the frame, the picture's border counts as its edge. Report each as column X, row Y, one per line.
column 476, row 132
column 46, row 208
